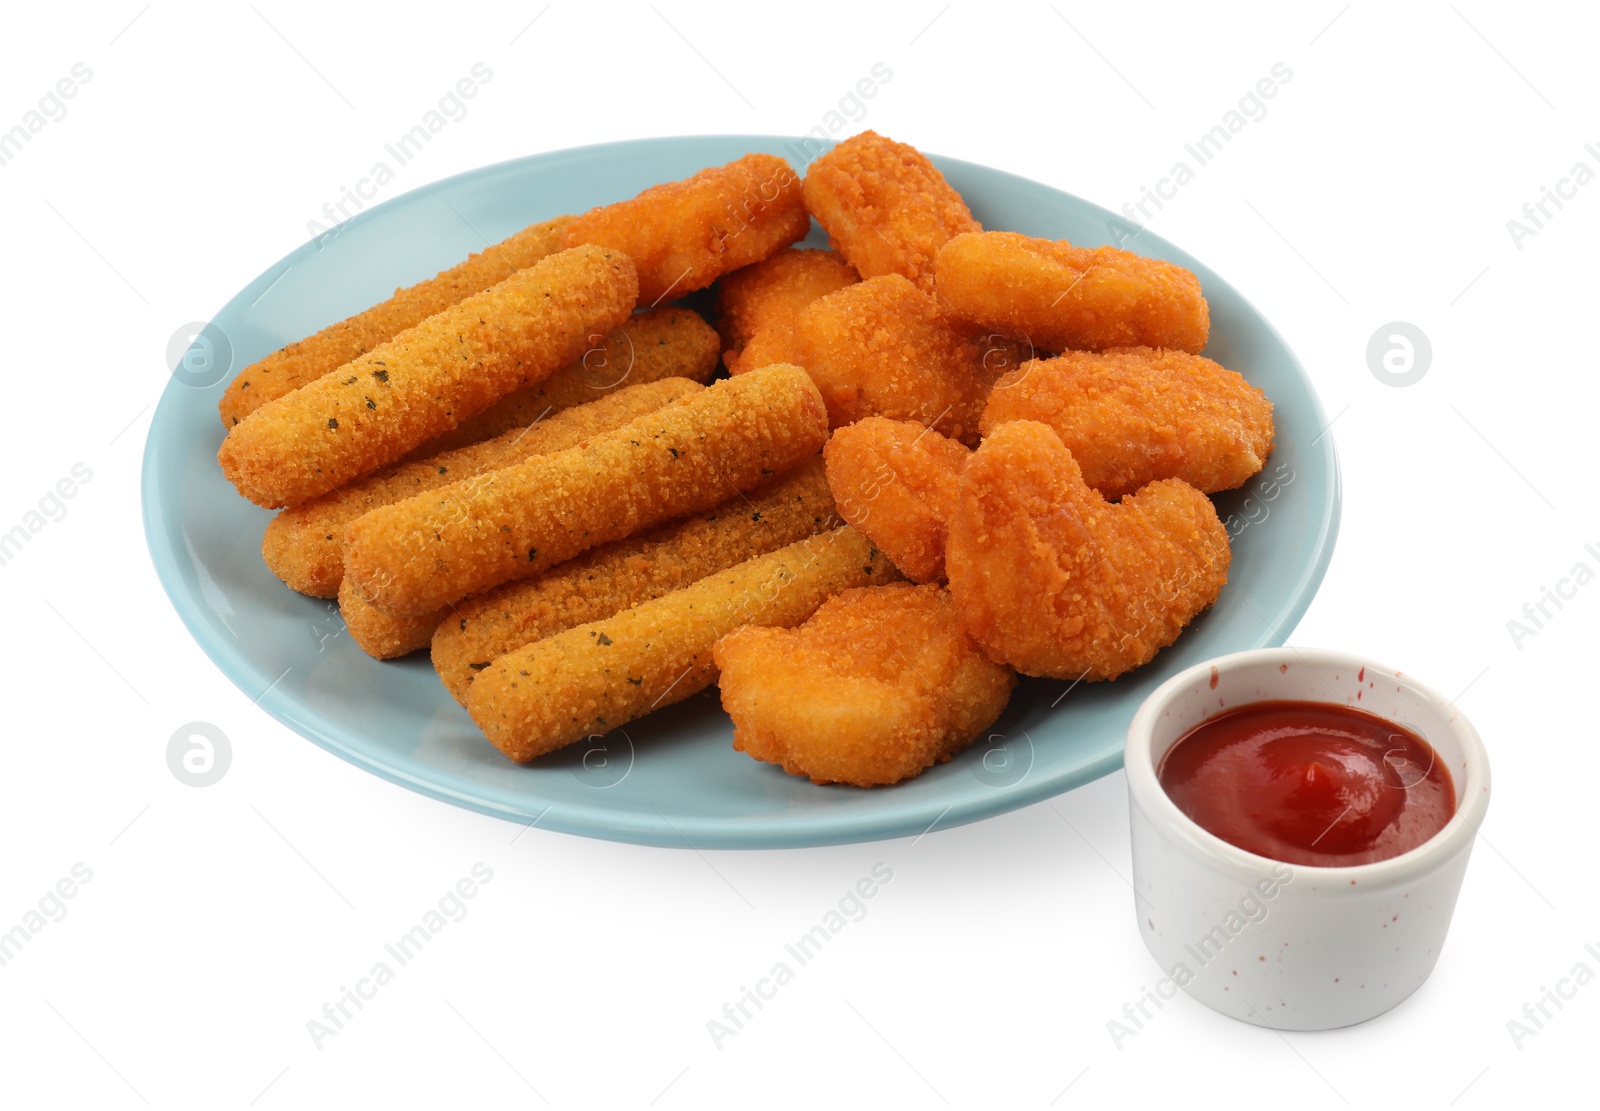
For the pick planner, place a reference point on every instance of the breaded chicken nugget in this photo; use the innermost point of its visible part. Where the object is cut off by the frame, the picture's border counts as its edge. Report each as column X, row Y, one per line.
column 1053, row 580
column 428, row 379
column 877, row 686
column 1133, row 415
column 683, row 235
column 897, row 481
column 416, row 555
column 304, row 546
column 885, row 207
column 588, row 680
column 668, row 342
column 1059, row 296
column 770, row 294
column 609, row 579
column 882, row 348
column 306, row 360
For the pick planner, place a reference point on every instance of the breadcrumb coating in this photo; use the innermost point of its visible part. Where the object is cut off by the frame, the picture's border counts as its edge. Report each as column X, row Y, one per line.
column 878, row 685
column 383, row 637
column 1058, row 296
column 771, row 293
column 419, row 554
column 683, row 235
column 1052, row 579
column 607, row 580
column 885, row 207
column 304, row 546
column 428, row 379
column 590, row 679
column 668, row 342
column 306, row 360
column 1132, row 415
column 882, row 348
column 897, row 481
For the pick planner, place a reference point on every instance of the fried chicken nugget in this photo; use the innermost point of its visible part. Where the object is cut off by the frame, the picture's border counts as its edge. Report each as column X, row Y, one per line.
column 882, row 348
column 428, row 379
column 304, row 546
column 608, row 580
column 589, row 679
column 668, row 342
column 880, row 684
column 885, row 207
column 1132, row 415
column 683, row 235
column 306, row 360
column 1052, row 579
column 1059, row 296
column 422, row 553
column 769, row 295
column 897, row 481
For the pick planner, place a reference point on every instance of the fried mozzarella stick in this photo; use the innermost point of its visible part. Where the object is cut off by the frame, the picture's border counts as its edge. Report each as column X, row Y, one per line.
column 306, row 360
column 383, row 637
column 419, row 554
column 592, row 678
column 304, row 546
column 885, row 207
column 608, row 580
column 429, row 378
column 662, row 343
column 1133, row 415
column 1057, row 296
column 684, row 235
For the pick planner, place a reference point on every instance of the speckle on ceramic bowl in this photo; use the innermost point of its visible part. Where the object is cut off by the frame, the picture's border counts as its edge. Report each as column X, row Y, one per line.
column 1294, row 947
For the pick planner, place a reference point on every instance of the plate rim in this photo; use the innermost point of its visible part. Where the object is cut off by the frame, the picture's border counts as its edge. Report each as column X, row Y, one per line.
column 631, row 826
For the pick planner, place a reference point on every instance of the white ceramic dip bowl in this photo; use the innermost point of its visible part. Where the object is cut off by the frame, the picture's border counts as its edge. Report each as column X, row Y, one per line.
column 1295, row 947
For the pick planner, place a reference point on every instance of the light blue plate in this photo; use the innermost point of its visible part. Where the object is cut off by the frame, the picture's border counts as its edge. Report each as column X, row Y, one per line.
column 672, row 778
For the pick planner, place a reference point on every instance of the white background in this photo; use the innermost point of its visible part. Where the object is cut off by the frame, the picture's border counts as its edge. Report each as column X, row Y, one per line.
column 219, row 921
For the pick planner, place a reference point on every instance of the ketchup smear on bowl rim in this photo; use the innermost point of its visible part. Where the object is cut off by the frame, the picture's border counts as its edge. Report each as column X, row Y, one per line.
column 1312, row 783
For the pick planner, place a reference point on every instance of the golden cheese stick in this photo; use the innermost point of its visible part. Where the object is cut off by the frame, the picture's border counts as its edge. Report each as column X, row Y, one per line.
column 383, row 637
column 609, row 579
column 514, row 523
column 304, row 545
column 306, row 360
column 661, row 343
column 429, row 378
column 592, row 678
column 600, row 582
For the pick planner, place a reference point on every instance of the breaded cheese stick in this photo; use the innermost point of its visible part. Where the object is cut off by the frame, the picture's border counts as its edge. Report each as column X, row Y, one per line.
column 668, row 342
column 683, row 235
column 1057, row 296
column 383, row 637
column 592, row 678
column 609, row 579
column 304, row 545
column 429, row 378
column 514, row 523
column 306, row 360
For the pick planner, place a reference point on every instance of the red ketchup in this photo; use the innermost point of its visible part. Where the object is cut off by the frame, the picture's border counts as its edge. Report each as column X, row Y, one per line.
column 1310, row 783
